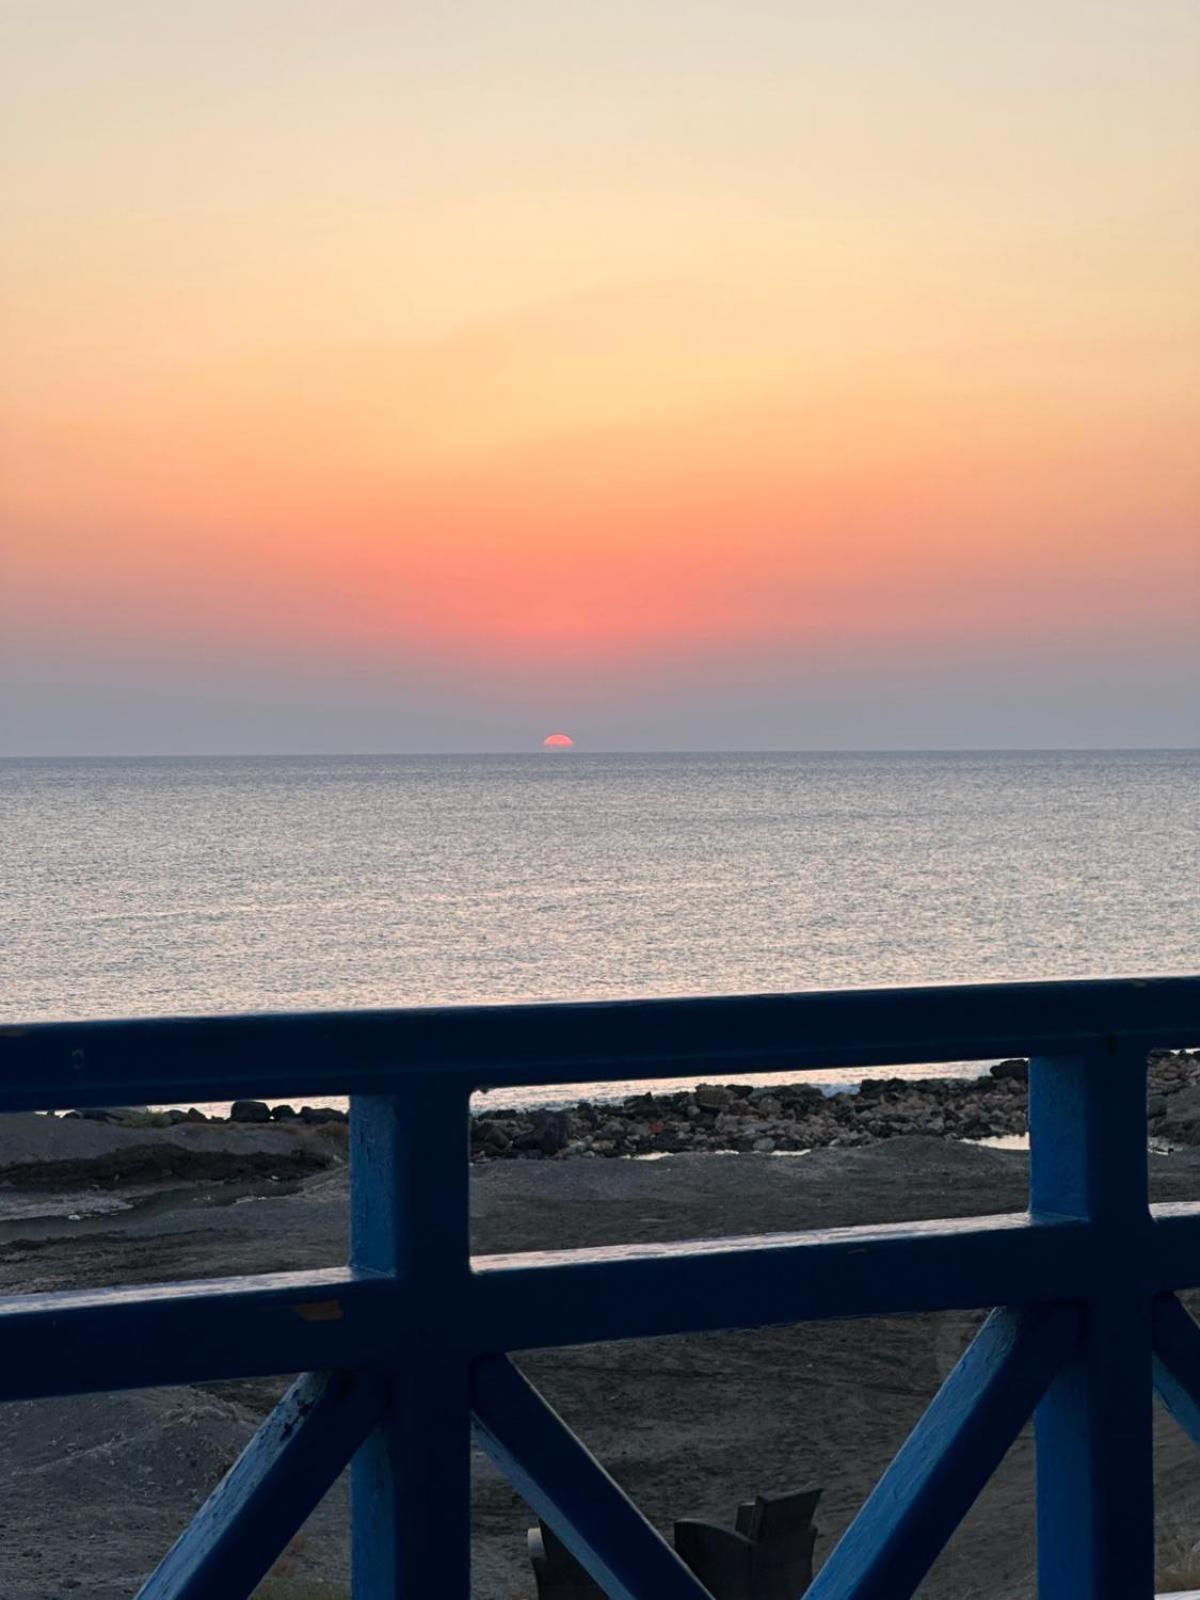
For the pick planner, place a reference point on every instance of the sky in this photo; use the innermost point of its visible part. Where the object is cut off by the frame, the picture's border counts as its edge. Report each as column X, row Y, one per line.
column 771, row 374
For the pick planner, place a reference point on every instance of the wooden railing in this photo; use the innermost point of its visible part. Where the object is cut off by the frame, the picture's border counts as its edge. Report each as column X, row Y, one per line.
column 405, row 1352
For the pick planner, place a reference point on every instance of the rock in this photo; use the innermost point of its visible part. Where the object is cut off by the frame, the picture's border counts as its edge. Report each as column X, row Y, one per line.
column 283, row 1113
column 320, row 1114
column 764, row 1146
column 1180, row 1122
column 1156, row 1106
column 551, row 1132
column 175, row 1117
column 113, row 1113
column 249, row 1111
column 193, row 1114
column 713, row 1097
column 1017, row 1070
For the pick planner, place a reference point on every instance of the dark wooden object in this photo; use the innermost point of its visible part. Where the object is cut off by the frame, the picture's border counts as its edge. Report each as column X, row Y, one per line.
column 767, row 1555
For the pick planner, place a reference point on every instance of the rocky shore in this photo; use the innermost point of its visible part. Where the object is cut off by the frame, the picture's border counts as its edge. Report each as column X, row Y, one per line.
column 717, row 1117
column 711, row 1118
column 795, row 1117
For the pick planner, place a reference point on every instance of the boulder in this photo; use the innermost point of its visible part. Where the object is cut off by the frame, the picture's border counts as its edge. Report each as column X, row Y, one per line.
column 283, row 1113
column 713, row 1097
column 551, row 1132
column 113, row 1113
column 1180, row 1123
column 249, row 1111
column 1017, row 1070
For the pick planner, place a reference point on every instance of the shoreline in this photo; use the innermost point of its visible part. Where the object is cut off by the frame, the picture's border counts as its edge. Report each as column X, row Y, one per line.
column 132, row 1147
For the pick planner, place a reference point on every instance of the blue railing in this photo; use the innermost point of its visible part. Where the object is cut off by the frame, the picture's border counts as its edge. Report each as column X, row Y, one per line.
column 405, row 1351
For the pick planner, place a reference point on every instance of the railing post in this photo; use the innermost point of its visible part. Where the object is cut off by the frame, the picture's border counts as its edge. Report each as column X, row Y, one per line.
column 410, row 1219
column 1095, row 1481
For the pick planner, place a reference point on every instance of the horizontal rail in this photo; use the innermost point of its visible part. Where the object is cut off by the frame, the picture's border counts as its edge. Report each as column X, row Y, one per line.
column 78, row 1341
column 363, row 1052
column 586, row 1296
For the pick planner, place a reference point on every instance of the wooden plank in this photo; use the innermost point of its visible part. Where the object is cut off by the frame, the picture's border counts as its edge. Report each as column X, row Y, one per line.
column 80, row 1341
column 264, row 1499
column 1177, row 1363
column 411, row 1486
column 949, row 1456
column 83, row 1340
column 1095, row 1482
column 411, row 1482
column 563, row 1483
column 580, row 1297
column 1175, row 1245
column 214, row 1058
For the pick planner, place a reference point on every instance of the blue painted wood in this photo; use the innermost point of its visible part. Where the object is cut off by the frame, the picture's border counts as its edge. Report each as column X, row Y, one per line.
column 410, row 1220
column 363, row 1052
column 1175, row 1247
column 76, row 1341
column 1177, row 1363
column 949, row 1456
column 564, row 1484
column 641, row 1291
column 79, row 1341
column 411, row 1312
column 244, row 1525
column 1095, row 1482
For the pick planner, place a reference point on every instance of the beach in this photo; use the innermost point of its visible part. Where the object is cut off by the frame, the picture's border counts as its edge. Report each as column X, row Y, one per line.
column 100, row 1485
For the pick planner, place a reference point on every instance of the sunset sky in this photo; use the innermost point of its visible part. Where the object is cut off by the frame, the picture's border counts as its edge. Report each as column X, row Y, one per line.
column 704, row 374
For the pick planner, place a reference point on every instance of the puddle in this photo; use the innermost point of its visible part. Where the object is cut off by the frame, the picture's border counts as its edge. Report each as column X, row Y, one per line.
column 1020, row 1141
column 663, row 1155
column 15, row 1207
column 31, row 1216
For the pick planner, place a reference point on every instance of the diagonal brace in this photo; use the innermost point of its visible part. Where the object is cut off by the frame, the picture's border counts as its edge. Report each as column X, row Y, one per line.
column 1177, row 1362
column 949, row 1456
column 268, row 1493
column 559, row 1479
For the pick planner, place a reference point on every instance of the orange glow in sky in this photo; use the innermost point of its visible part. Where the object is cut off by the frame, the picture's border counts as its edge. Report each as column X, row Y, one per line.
column 806, row 369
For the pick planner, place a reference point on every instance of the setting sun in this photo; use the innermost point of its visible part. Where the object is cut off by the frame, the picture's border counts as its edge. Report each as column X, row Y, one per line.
column 558, row 741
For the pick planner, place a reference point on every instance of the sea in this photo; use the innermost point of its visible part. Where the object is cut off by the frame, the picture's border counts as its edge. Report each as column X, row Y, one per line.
column 163, row 886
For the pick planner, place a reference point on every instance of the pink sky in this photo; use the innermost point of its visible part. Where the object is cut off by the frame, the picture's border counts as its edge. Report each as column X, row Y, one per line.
column 819, row 375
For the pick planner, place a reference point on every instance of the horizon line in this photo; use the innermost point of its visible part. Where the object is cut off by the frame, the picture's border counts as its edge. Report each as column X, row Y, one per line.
column 576, row 750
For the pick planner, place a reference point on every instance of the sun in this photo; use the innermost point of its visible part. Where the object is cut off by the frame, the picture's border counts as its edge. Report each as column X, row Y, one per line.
column 558, row 741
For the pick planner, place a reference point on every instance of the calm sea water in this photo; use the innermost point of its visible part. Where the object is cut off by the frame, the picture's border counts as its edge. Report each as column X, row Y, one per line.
column 135, row 887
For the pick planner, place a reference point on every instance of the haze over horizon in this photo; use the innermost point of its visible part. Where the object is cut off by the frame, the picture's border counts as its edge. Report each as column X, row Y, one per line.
column 784, row 377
